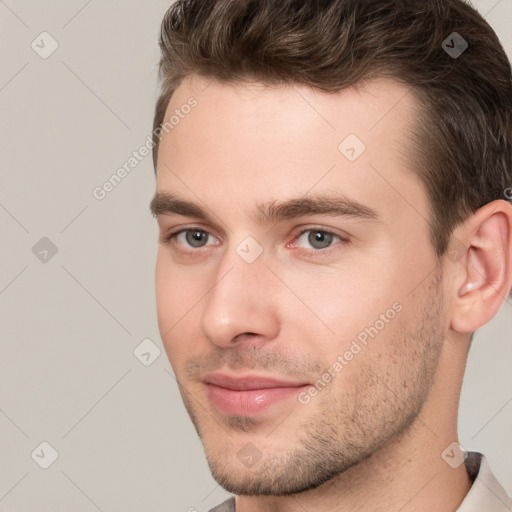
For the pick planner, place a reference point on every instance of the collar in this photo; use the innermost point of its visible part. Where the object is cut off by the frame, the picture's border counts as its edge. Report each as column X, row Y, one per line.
column 486, row 493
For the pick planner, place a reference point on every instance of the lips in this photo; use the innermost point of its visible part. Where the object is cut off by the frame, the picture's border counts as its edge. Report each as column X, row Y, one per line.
column 248, row 395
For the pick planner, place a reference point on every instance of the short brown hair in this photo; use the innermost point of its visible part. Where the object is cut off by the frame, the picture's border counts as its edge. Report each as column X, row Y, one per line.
column 462, row 140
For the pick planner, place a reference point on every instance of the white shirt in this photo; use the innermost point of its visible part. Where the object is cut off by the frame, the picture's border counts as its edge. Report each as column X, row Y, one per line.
column 486, row 493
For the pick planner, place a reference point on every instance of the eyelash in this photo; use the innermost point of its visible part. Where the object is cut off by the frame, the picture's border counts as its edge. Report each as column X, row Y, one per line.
column 170, row 237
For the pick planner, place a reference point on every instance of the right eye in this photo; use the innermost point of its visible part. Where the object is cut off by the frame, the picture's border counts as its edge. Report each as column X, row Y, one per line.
column 190, row 238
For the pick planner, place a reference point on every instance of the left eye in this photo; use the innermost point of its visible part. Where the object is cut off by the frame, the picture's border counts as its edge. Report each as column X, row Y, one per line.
column 317, row 239
column 194, row 238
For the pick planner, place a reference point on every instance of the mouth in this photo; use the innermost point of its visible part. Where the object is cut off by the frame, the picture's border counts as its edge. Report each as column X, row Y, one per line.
column 250, row 394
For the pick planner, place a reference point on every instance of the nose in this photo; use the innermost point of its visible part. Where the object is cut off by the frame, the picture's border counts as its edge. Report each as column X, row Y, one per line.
column 241, row 306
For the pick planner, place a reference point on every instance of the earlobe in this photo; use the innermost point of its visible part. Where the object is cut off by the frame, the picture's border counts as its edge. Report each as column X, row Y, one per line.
column 484, row 274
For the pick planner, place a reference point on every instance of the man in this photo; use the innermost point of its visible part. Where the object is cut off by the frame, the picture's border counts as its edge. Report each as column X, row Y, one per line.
column 331, row 196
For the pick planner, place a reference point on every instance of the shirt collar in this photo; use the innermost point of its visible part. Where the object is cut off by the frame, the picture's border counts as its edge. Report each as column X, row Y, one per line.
column 486, row 493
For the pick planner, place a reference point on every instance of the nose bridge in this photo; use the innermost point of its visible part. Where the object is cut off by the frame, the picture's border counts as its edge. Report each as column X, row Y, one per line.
column 240, row 300
column 242, row 268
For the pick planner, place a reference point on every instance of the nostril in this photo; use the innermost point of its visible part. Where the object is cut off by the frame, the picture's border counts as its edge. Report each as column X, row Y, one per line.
column 241, row 335
column 245, row 335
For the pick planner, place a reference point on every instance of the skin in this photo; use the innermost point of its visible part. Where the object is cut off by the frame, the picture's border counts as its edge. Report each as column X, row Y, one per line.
column 372, row 438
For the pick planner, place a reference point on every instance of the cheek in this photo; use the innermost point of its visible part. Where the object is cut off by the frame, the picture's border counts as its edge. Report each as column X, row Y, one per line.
column 354, row 312
column 341, row 301
column 178, row 299
column 166, row 288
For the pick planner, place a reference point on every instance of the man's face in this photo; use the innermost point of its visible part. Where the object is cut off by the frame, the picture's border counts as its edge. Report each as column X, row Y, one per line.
column 299, row 300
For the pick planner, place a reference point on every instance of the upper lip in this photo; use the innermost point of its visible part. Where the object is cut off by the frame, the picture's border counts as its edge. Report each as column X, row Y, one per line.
column 246, row 382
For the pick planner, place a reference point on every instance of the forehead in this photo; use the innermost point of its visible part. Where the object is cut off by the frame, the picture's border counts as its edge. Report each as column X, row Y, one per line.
column 272, row 142
column 368, row 104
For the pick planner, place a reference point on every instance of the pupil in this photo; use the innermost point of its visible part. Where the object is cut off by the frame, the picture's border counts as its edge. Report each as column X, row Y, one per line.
column 320, row 240
column 196, row 238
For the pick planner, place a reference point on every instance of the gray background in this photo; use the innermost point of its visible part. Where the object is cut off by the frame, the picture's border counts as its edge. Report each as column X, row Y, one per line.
column 69, row 324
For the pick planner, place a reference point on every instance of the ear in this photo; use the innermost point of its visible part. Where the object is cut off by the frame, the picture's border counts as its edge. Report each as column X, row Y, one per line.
column 482, row 276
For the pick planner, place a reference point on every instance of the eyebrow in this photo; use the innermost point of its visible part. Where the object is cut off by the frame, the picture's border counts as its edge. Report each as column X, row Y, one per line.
column 164, row 203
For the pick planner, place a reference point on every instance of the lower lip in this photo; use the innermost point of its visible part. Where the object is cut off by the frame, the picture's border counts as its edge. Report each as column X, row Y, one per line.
column 247, row 402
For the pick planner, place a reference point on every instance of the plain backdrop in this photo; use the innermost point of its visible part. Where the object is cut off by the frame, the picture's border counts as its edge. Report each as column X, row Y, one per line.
column 77, row 276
